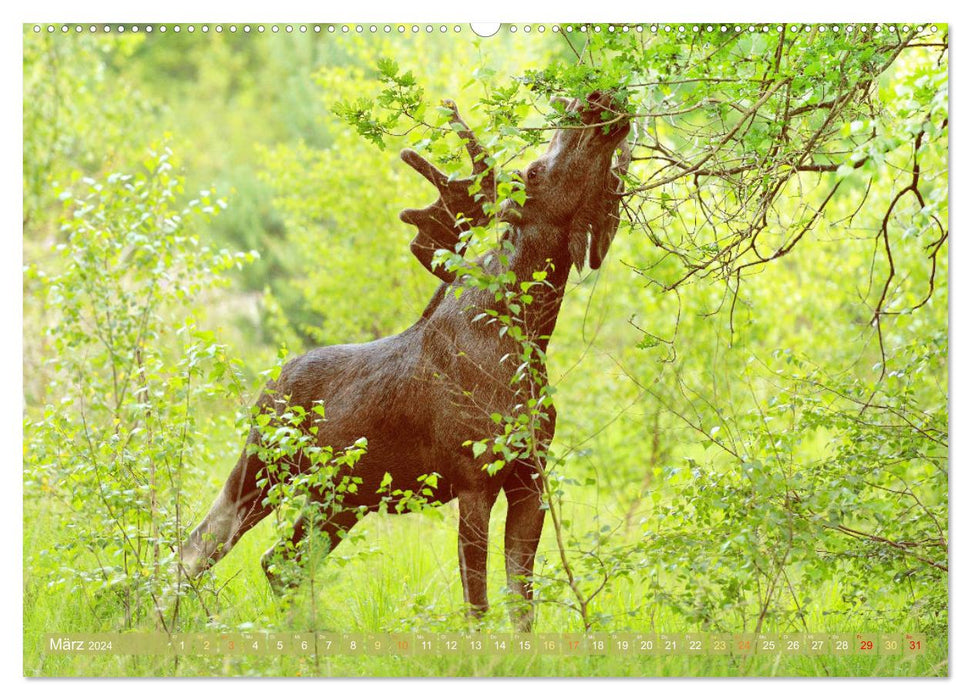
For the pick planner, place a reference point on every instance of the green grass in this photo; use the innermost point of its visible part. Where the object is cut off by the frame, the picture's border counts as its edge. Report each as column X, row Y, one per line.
column 400, row 574
column 432, row 666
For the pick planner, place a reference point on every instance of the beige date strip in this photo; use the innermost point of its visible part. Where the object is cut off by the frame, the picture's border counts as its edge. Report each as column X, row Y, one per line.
column 483, row 644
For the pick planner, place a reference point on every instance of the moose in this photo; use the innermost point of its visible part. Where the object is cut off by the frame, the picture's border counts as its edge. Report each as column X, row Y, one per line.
column 420, row 396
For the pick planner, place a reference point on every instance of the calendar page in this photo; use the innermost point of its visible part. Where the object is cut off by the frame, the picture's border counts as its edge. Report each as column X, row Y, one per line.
column 510, row 350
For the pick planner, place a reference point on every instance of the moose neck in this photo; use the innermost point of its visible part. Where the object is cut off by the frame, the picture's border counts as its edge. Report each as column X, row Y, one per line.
column 540, row 248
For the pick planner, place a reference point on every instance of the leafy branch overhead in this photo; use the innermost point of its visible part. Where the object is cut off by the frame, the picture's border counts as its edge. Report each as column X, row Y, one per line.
column 745, row 142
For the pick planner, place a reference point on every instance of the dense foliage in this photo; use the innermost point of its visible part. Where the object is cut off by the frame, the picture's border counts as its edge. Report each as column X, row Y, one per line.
column 752, row 392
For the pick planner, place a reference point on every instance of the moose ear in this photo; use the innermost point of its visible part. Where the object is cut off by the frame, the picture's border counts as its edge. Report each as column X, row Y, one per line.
column 577, row 246
column 594, row 232
column 604, row 223
column 602, row 234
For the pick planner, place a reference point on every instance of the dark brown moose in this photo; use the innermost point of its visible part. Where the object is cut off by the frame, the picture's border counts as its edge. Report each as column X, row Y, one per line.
column 420, row 396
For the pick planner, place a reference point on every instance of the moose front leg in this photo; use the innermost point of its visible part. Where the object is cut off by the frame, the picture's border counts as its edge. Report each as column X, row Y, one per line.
column 524, row 525
column 474, row 510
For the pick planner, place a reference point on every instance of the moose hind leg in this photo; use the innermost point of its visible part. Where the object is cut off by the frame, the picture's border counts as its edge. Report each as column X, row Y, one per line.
column 474, row 510
column 524, row 525
column 282, row 563
column 237, row 508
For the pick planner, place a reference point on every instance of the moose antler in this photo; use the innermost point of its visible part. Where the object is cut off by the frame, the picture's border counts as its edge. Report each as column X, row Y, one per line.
column 455, row 211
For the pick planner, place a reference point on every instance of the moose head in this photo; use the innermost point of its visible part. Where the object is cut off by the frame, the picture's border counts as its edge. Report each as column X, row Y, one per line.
column 572, row 187
column 572, row 190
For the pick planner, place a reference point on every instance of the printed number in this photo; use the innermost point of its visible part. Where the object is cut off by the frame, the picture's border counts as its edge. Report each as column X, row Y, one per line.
column 328, row 643
column 279, row 646
column 914, row 645
column 866, row 645
column 256, row 645
column 550, row 645
column 426, row 645
column 524, row 645
column 768, row 645
column 890, row 644
column 622, row 644
column 500, row 645
column 476, row 644
column 647, row 644
column 205, row 645
column 670, row 645
column 694, row 645
column 304, row 646
column 744, row 644
column 452, row 646
column 574, row 644
column 792, row 645
column 598, row 644
column 842, row 645
column 719, row 645
column 232, row 645
column 353, row 645
column 817, row 645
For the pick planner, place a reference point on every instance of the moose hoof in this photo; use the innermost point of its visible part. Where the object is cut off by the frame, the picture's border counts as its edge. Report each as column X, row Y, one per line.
column 280, row 585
